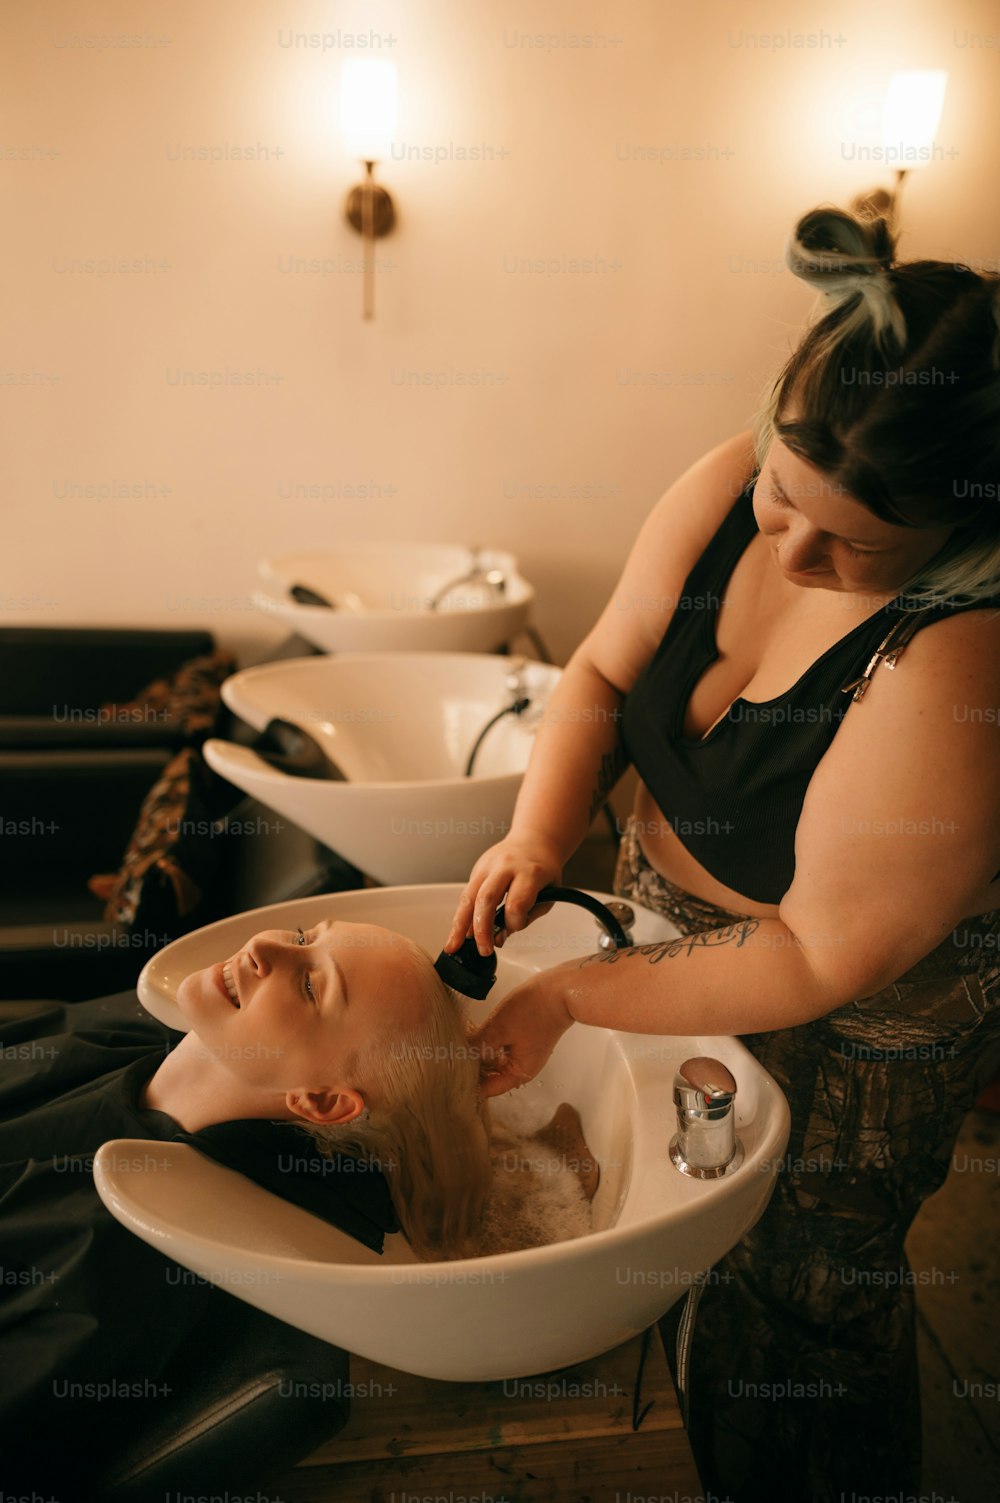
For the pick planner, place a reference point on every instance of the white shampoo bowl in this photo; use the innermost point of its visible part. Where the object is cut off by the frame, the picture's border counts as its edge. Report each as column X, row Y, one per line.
column 480, row 1319
column 383, row 593
column 401, row 727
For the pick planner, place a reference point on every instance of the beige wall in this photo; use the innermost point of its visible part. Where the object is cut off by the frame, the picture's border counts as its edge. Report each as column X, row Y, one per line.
column 687, row 291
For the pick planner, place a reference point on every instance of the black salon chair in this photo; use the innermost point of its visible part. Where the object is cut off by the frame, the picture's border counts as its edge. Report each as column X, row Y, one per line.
column 74, row 783
column 54, row 678
column 243, row 1399
column 250, row 1398
column 72, row 954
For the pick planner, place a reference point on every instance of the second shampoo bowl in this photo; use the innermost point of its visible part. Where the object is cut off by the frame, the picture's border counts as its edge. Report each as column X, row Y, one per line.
column 480, row 1319
column 401, row 727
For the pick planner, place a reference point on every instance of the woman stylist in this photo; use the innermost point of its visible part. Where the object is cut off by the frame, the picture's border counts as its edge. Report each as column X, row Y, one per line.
column 825, row 833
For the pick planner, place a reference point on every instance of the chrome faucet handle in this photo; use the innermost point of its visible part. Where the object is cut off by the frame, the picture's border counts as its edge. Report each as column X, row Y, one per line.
column 705, row 1145
column 476, row 573
column 514, row 680
column 485, row 573
column 625, row 916
column 707, row 1077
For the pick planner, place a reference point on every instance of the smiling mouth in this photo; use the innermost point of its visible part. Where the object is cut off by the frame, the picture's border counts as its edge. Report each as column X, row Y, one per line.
column 229, row 982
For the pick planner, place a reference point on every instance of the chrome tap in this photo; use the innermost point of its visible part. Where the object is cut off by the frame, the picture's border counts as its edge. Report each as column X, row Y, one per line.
column 476, row 573
column 625, row 916
column 520, row 704
column 705, row 1145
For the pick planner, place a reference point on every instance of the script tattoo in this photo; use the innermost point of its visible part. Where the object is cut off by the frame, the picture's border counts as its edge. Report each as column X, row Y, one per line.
column 667, row 949
column 613, row 764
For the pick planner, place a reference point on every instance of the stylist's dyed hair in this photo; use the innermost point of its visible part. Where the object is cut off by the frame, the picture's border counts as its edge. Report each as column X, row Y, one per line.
column 895, row 393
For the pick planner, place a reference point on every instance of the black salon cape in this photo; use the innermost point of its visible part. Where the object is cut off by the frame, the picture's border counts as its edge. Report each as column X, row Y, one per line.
column 83, row 1300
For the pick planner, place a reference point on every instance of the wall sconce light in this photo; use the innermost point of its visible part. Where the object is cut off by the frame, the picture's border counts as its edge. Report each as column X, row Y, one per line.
column 910, row 119
column 368, row 106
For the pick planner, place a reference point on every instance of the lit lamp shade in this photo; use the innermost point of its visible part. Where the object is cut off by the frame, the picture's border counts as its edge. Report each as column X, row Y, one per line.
column 368, row 107
column 912, row 114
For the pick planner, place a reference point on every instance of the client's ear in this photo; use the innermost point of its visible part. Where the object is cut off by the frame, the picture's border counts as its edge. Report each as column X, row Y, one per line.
column 326, row 1105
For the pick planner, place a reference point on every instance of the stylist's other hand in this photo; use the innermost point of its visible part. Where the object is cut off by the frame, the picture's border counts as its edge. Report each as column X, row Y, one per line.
column 520, row 1034
column 518, row 866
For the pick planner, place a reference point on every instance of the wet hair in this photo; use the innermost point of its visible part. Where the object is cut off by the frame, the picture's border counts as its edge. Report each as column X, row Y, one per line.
column 424, row 1125
column 894, row 394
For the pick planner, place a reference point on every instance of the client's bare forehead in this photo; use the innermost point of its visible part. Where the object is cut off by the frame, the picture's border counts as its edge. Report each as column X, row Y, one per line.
column 397, row 969
column 366, row 936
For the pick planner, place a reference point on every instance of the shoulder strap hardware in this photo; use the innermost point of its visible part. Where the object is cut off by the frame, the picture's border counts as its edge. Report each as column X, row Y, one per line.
column 898, row 636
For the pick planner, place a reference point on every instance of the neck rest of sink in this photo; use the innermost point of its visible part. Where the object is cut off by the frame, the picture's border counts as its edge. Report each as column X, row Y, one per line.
column 340, row 1189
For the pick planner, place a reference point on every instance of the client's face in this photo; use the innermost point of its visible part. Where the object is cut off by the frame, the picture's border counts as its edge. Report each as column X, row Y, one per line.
column 288, row 1011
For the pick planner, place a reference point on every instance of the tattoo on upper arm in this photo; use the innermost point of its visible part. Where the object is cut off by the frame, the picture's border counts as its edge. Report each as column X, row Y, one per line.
column 667, row 949
column 613, row 764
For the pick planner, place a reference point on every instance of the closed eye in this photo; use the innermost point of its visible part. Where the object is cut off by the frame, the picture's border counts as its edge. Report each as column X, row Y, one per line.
column 860, row 552
column 782, row 500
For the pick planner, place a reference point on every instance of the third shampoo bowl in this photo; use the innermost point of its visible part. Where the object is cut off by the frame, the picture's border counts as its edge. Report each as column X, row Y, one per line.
column 383, row 591
column 506, row 1315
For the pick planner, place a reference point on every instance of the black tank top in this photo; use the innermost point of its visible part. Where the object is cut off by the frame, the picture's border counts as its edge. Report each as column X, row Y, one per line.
column 734, row 798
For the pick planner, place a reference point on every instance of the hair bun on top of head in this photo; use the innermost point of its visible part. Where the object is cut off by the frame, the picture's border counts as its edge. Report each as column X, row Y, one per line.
column 845, row 259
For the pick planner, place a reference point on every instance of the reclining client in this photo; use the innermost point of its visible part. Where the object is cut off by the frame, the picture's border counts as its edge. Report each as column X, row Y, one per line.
column 344, row 1030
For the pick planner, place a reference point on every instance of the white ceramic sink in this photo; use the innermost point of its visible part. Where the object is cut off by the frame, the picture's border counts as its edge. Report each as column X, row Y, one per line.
column 401, row 727
column 383, row 594
column 479, row 1319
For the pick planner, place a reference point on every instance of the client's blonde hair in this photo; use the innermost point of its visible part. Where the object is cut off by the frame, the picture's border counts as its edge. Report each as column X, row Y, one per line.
column 424, row 1125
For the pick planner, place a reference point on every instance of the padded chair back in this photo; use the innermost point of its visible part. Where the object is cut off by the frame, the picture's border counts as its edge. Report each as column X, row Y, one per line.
column 46, row 668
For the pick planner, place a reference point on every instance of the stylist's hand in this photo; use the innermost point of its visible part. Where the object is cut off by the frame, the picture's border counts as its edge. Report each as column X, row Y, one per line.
column 518, row 866
column 520, row 1034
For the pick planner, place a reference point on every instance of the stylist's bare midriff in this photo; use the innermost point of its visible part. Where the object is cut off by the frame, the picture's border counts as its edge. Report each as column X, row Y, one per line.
column 768, row 632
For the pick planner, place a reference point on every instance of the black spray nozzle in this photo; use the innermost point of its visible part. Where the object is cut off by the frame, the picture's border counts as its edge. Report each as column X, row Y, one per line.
column 473, row 975
column 305, row 595
column 467, row 971
column 289, row 748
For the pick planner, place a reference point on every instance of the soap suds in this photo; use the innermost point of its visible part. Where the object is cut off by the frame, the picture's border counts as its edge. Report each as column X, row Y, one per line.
column 538, row 1197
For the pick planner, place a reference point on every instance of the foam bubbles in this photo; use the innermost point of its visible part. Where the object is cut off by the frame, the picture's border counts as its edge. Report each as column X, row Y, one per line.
column 537, row 1196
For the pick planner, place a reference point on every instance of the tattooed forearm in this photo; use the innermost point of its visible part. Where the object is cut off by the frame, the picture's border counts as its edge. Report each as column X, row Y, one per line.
column 667, row 949
column 613, row 764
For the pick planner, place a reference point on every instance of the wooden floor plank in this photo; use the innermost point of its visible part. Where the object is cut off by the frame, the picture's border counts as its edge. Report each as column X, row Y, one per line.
column 557, row 1435
column 595, row 1470
column 959, row 1461
column 954, row 1252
